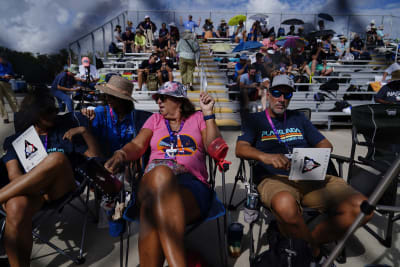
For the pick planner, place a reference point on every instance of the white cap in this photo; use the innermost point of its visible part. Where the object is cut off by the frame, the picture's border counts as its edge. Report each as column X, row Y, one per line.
column 147, row 17
column 266, row 79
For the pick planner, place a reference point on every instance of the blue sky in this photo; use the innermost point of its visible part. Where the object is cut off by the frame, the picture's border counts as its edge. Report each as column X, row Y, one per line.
column 48, row 25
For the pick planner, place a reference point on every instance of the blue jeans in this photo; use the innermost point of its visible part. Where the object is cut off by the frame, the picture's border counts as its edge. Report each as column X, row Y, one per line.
column 63, row 98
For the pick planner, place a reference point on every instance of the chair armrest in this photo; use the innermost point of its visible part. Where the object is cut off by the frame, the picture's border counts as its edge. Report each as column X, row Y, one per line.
column 340, row 158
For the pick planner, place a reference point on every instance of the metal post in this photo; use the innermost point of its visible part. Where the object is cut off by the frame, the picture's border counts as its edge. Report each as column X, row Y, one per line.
column 93, row 49
column 119, row 22
column 385, row 182
column 104, row 43
column 112, row 31
column 124, row 18
column 69, row 55
column 348, row 27
column 79, row 51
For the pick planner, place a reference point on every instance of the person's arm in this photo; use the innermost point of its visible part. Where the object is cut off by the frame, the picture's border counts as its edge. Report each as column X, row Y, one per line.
column 13, row 169
column 324, row 143
column 242, row 70
column 93, row 148
column 211, row 132
column 62, row 88
column 131, row 151
column 385, row 74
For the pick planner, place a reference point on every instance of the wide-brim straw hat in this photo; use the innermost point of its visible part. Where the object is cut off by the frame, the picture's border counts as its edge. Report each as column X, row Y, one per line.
column 117, row 86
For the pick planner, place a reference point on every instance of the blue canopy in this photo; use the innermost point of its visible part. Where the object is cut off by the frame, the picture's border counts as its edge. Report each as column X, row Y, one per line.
column 247, row 46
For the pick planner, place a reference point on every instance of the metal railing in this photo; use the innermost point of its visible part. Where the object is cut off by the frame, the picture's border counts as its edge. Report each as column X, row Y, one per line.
column 344, row 24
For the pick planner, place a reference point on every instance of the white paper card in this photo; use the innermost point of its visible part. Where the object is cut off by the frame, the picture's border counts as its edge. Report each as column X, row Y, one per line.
column 309, row 164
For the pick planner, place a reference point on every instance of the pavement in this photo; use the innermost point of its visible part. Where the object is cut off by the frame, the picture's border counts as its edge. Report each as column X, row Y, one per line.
column 103, row 250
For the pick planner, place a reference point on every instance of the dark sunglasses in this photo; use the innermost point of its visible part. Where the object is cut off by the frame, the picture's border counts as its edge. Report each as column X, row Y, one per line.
column 161, row 97
column 277, row 94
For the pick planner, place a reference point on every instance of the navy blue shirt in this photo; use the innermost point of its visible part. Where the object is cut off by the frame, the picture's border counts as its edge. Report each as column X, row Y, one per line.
column 113, row 134
column 238, row 67
column 389, row 92
column 64, row 80
column 297, row 133
column 55, row 141
column 6, row 69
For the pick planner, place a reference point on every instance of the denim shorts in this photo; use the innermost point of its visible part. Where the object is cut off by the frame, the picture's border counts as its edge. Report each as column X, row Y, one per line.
column 201, row 192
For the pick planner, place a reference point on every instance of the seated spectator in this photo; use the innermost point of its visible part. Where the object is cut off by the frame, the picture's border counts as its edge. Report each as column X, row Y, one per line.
column 147, row 73
column 392, row 68
column 298, row 62
column 260, row 65
column 188, row 50
column 165, row 68
column 291, row 30
column 328, row 46
column 148, row 27
column 65, row 82
column 172, row 43
column 321, row 25
column 390, row 93
column 171, row 197
column 342, row 48
column 163, row 31
column 269, row 42
column 250, row 86
column 118, row 122
column 161, row 44
column 371, row 33
column 174, row 31
column 208, row 29
column 223, row 30
column 319, row 56
column 357, row 47
column 380, row 35
column 300, row 31
column 6, row 73
column 255, row 32
column 265, row 140
column 117, row 34
column 241, row 67
column 190, row 25
column 129, row 41
column 140, row 42
column 26, row 193
column 88, row 75
column 240, row 33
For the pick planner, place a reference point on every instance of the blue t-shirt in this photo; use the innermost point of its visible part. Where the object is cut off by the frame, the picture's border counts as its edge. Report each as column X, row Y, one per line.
column 64, row 80
column 55, row 141
column 113, row 134
column 297, row 133
column 246, row 79
column 389, row 92
column 6, row 69
column 190, row 25
column 238, row 67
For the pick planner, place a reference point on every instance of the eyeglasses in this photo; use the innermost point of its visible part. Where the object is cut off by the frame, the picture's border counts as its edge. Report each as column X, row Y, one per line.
column 277, row 94
column 161, row 97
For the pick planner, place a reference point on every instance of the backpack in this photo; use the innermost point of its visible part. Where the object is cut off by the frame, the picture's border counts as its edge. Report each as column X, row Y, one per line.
column 152, row 82
column 282, row 249
column 99, row 63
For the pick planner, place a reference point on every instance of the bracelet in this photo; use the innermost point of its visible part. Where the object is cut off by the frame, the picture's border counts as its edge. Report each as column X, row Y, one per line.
column 209, row 117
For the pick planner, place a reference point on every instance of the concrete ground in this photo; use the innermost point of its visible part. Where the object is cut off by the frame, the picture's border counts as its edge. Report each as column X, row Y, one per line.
column 103, row 250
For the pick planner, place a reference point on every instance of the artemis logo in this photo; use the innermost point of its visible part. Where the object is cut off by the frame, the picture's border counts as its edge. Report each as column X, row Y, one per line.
column 29, row 149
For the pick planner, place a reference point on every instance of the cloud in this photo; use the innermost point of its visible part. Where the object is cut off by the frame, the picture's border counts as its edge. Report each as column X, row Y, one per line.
column 62, row 16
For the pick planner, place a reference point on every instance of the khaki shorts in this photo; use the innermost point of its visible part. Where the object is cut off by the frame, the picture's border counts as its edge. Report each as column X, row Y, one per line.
column 322, row 195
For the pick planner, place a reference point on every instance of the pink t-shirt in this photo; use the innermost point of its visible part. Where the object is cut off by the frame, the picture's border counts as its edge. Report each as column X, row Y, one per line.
column 267, row 43
column 191, row 152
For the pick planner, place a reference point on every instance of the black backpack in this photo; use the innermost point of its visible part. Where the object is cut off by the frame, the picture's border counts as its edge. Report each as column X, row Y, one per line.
column 282, row 250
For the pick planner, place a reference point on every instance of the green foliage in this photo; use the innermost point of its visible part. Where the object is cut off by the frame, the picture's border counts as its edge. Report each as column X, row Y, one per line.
column 39, row 69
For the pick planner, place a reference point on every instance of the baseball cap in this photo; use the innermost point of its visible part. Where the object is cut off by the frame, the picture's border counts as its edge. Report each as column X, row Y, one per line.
column 265, row 79
column 85, row 61
column 175, row 89
column 244, row 57
column 147, row 17
column 72, row 68
column 282, row 81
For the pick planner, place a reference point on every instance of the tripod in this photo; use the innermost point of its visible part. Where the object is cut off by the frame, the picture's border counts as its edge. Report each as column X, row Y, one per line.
column 240, row 176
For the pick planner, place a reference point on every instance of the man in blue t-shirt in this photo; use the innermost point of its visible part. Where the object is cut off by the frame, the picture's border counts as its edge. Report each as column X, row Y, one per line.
column 190, row 24
column 262, row 143
column 65, row 82
column 241, row 67
column 250, row 86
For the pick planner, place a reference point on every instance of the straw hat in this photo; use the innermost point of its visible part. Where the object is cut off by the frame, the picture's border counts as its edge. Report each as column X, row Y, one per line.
column 117, row 86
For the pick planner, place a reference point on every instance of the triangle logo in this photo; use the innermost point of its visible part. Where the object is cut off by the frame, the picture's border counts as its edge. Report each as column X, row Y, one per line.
column 309, row 165
column 29, row 149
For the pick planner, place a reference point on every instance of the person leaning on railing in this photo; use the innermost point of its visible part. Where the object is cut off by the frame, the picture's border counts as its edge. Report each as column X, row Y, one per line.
column 173, row 191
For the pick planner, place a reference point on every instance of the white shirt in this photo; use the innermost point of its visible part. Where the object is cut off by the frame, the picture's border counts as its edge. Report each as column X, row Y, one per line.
column 116, row 35
column 93, row 72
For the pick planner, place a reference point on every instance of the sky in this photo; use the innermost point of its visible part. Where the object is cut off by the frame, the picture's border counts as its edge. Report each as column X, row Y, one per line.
column 45, row 26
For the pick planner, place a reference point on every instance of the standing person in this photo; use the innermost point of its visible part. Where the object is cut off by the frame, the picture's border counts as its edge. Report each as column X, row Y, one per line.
column 118, row 122
column 140, row 42
column 171, row 197
column 223, row 30
column 189, row 54
column 148, row 27
column 129, row 40
column 65, row 82
column 6, row 73
column 190, row 25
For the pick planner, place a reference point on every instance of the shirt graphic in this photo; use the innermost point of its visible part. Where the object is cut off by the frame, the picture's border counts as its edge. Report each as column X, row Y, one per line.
column 309, row 164
column 185, row 144
column 291, row 134
column 29, row 149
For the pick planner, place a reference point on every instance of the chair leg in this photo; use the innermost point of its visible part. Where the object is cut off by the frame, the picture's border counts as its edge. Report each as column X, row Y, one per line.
column 252, row 252
column 222, row 246
column 84, row 225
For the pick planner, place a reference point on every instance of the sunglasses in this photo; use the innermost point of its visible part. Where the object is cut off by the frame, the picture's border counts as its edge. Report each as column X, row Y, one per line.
column 277, row 94
column 161, row 97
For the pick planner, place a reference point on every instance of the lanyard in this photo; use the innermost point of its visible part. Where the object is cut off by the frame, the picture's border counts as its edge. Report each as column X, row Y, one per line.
column 45, row 143
column 172, row 152
column 275, row 131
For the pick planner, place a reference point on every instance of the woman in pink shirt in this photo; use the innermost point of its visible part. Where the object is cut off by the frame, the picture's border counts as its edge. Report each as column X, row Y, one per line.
column 269, row 42
column 174, row 191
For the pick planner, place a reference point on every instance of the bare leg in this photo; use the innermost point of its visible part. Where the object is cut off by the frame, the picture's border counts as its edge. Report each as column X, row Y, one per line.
column 53, row 176
column 170, row 77
column 124, row 48
column 18, row 232
column 165, row 210
column 313, row 66
column 140, row 79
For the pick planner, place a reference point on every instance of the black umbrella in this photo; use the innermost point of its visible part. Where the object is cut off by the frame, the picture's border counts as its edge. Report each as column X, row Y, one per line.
column 325, row 16
column 293, row 22
column 315, row 34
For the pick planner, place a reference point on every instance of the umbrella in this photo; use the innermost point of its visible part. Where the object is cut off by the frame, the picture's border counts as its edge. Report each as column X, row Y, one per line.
column 247, row 46
column 293, row 22
column 291, row 42
column 221, row 48
column 235, row 20
column 320, row 33
column 325, row 16
column 259, row 16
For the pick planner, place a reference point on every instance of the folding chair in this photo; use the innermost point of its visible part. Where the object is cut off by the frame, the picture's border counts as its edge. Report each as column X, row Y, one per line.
column 134, row 171
column 48, row 210
column 379, row 126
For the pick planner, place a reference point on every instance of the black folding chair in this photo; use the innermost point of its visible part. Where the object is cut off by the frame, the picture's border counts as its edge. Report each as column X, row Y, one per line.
column 379, row 126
